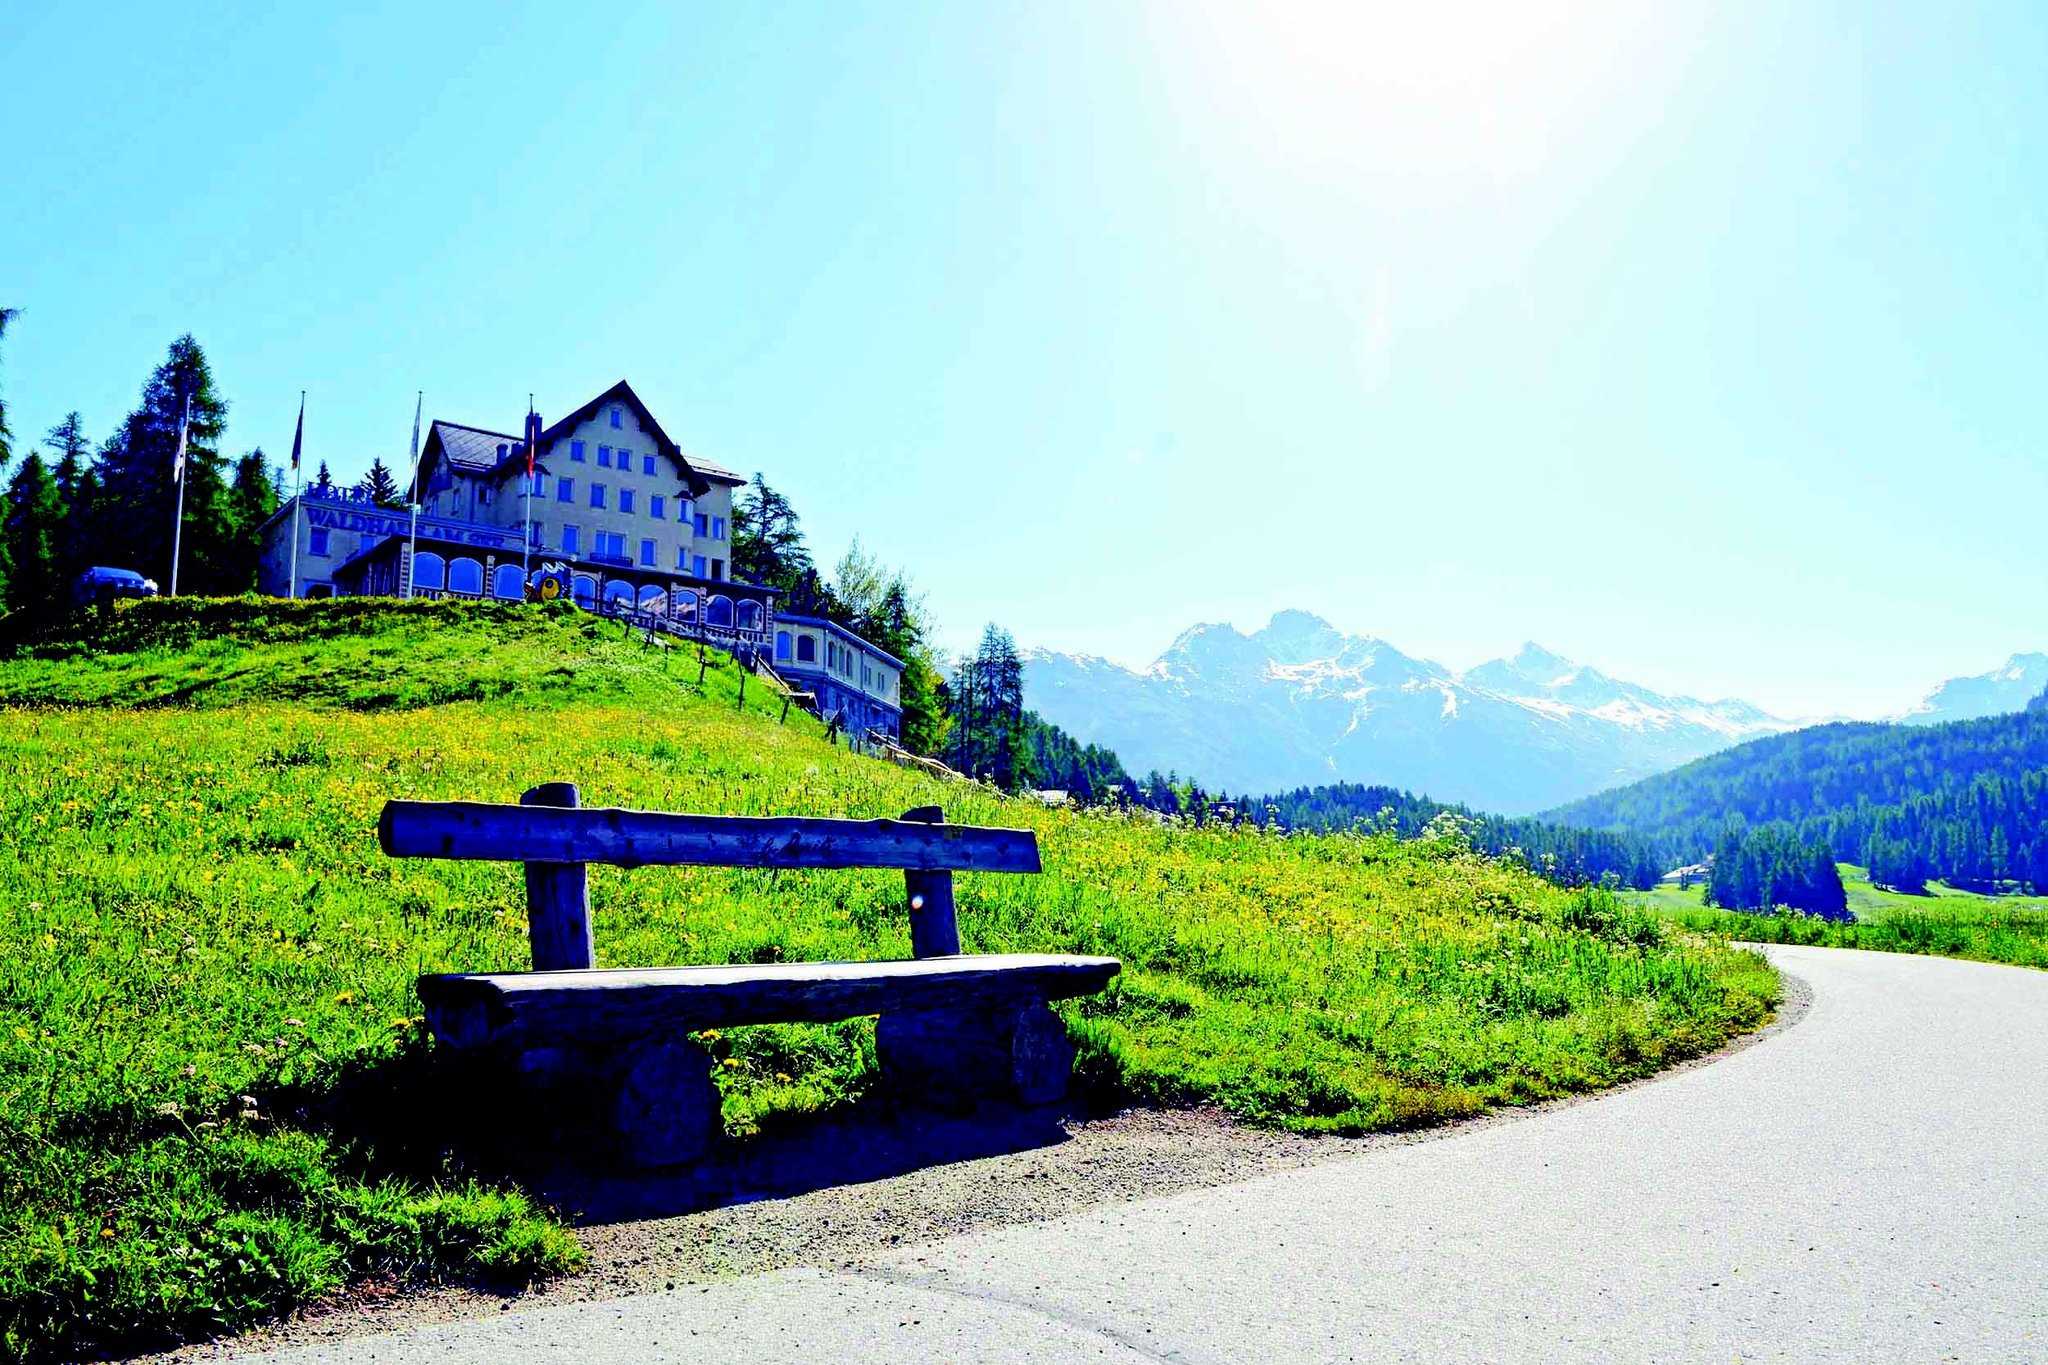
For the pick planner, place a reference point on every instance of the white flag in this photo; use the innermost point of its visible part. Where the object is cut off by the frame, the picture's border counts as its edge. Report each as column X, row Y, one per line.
column 178, row 464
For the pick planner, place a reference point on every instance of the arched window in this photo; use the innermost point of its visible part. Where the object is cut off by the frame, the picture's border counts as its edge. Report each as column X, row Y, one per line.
column 586, row 591
column 618, row 593
column 718, row 612
column 806, row 649
column 685, row 605
column 750, row 616
column 466, row 576
column 429, row 570
column 507, row 582
column 782, row 644
column 654, row 598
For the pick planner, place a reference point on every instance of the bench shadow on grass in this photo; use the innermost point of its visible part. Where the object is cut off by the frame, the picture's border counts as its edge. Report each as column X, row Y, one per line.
column 422, row 1114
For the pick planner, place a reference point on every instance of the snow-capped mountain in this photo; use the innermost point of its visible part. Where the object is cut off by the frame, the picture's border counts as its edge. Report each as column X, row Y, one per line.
column 2020, row 680
column 1300, row 703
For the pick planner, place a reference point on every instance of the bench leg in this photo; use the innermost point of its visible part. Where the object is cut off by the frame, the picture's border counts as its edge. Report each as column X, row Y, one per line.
column 1017, row 1052
column 665, row 1109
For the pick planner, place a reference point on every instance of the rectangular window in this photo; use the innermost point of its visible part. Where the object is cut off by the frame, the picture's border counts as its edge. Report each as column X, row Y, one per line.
column 646, row 464
column 682, row 560
column 703, row 525
column 320, row 541
column 571, row 541
column 718, row 568
column 604, row 456
column 536, row 485
column 647, row 553
column 718, row 528
column 565, row 490
column 697, row 565
column 611, row 543
column 618, row 419
column 657, row 506
column 625, row 499
column 683, row 510
column 597, row 495
column 576, row 451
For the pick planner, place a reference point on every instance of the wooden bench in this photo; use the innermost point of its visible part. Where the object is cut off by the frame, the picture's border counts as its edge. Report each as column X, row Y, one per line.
column 615, row 1042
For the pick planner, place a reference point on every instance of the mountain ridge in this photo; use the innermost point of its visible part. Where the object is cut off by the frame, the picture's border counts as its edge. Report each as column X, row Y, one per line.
column 1299, row 702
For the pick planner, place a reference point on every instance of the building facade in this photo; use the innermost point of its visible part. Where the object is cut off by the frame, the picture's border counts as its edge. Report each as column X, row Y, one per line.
column 859, row 682
column 615, row 513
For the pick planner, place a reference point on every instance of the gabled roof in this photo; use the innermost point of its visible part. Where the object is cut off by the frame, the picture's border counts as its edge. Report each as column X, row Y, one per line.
column 473, row 450
column 470, row 451
column 477, row 452
column 622, row 392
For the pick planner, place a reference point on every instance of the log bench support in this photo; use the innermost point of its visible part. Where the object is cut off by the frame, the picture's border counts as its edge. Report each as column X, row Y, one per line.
column 602, row 1060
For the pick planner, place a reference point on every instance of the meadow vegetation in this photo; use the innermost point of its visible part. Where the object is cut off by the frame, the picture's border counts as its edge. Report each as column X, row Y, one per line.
column 1944, row 921
column 212, row 1069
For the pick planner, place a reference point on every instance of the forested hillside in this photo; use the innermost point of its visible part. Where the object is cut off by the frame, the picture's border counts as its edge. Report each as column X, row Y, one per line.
column 1568, row 854
column 1966, row 802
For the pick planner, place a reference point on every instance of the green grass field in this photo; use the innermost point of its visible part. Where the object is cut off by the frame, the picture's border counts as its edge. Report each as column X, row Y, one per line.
column 211, row 1060
column 1946, row 921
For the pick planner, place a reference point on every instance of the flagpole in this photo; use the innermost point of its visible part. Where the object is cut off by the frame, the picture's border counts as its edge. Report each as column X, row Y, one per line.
column 178, row 515
column 412, row 549
column 526, row 536
column 298, row 490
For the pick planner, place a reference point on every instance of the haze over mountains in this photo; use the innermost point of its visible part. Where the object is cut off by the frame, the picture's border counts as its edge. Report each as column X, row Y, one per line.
column 1300, row 703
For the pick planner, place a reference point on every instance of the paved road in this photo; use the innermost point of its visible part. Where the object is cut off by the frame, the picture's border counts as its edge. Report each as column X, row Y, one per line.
column 1870, row 1184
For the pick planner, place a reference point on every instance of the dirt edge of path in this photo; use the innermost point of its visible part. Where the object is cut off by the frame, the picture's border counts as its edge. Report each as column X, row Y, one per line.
column 1133, row 1155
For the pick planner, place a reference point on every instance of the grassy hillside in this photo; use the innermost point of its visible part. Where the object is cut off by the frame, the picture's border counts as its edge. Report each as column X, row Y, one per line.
column 206, row 965
column 1945, row 921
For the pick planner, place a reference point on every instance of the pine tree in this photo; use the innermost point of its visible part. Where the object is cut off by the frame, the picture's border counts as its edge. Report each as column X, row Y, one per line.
column 1825, row 894
column 34, row 517
column 767, row 540
column 252, row 497
column 323, row 482
column 78, row 491
column 378, row 485
column 7, row 315
column 137, row 491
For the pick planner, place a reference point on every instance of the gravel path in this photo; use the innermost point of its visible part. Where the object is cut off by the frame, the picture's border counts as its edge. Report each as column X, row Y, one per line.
column 1862, row 1185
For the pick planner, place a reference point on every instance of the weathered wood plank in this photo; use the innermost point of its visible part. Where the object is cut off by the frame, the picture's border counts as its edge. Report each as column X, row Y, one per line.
column 532, row 1008
column 639, row 838
column 558, row 898
column 934, row 929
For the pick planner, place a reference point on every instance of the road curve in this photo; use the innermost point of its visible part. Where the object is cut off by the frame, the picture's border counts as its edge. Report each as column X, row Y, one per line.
column 1866, row 1185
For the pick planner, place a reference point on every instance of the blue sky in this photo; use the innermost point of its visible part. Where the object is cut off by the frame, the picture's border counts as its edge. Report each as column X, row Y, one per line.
column 1706, row 344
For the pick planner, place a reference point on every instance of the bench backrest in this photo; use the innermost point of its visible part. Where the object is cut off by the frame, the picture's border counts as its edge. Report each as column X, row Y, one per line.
column 557, row 838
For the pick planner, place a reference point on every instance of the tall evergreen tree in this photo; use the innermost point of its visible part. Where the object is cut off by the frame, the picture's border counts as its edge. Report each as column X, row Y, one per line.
column 767, row 538
column 323, row 482
column 7, row 315
column 78, row 491
column 990, row 734
column 135, row 472
column 252, row 497
column 34, row 517
column 380, row 485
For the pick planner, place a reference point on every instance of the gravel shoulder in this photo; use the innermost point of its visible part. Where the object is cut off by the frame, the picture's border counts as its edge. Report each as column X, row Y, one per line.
column 1128, row 1157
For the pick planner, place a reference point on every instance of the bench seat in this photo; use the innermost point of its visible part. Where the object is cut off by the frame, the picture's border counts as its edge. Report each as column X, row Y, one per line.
column 516, row 1009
